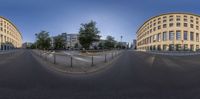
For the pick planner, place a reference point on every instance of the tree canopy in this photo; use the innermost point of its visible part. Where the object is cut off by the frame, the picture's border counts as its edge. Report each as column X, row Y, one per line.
column 43, row 40
column 59, row 42
column 88, row 34
column 110, row 42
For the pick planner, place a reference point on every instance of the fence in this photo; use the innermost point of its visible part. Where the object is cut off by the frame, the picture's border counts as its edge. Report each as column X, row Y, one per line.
column 77, row 59
column 8, row 53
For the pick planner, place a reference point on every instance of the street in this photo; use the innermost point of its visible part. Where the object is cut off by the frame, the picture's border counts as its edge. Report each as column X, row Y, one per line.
column 135, row 75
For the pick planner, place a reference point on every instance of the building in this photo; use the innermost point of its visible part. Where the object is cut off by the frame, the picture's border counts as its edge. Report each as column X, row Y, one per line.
column 27, row 45
column 10, row 37
column 134, row 46
column 71, row 40
column 170, row 32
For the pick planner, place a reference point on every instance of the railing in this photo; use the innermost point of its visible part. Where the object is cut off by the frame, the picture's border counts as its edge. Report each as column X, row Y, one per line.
column 8, row 53
column 77, row 59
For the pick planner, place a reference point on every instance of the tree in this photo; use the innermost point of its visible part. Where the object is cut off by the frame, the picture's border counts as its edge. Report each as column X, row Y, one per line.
column 59, row 42
column 110, row 42
column 76, row 45
column 43, row 40
column 101, row 45
column 33, row 46
column 88, row 34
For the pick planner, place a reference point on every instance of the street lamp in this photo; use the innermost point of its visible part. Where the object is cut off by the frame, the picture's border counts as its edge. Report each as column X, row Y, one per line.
column 121, row 41
column 36, row 40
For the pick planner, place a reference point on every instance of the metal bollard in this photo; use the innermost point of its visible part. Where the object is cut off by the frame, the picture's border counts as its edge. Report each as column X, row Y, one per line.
column 71, row 62
column 112, row 55
column 105, row 58
column 54, row 58
column 92, row 61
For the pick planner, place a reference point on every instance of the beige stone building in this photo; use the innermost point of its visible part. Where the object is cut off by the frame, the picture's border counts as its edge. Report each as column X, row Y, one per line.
column 170, row 32
column 10, row 37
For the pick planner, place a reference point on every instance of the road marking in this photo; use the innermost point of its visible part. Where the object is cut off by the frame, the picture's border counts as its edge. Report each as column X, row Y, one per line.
column 151, row 60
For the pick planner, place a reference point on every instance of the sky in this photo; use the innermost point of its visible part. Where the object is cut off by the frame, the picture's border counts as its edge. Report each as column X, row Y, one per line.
column 113, row 17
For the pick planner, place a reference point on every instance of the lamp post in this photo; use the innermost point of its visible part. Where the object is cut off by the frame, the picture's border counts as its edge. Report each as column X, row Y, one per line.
column 121, row 41
column 36, row 41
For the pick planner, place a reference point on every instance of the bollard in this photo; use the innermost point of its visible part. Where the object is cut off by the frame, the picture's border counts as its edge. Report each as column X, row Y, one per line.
column 54, row 58
column 105, row 58
column 92, row 61
column 112, row 55
column 71, row 61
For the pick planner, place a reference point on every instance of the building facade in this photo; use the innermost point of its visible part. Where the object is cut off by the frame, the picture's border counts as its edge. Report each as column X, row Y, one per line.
column 10, row 37
column 27, row 45
column 170, row 32
column 134, row 46
column 71, row 40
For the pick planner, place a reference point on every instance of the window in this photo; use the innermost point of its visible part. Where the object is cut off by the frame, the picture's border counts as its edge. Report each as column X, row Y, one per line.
column 159, row 22
column 197, row 47
column 192, row 36
column 178, row 35
column 185, row 20
column 185, row 47
column 171, row 35
column 164, row 21
column 159, row 27
column 159, row 37
column 178, row 19
column 171, row 47
column 154, row 29
column 165, row 47
column 178, row 24
column 154, row 38
column 185, row 36
column 171, row 25
column 170, row 19
column 191, row 47
column 191, row 21
column 191, row 26
column 185, row 24
column 178, row 47
column 164, row 36
column 197, row 27
column 197, row 37
column 164, row 25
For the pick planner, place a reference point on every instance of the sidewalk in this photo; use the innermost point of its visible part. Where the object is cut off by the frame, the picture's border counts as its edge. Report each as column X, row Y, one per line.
column 175, row 53
column 75, row 63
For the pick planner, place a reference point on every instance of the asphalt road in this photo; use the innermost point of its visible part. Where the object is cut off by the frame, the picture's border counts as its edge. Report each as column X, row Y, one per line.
column 133, row 76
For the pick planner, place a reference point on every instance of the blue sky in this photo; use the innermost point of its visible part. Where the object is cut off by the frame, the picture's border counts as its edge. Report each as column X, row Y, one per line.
column 113, row 17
